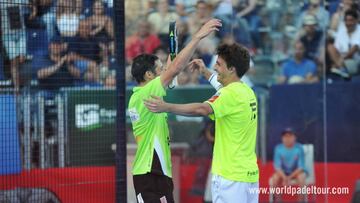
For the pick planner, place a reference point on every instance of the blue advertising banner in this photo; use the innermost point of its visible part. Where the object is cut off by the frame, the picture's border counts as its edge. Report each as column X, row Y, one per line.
column 10, row 162
column 302, row 108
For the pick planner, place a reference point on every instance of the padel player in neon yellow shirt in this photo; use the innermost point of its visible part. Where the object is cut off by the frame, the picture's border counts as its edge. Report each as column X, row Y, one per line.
column 152, row 173
column 234, row 109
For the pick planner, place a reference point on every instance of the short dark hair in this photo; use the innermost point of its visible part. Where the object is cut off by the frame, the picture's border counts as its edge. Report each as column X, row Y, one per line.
column 200, row 2
column 351, row 12
column 288, row 130
column 141, row 64
column 235, row 55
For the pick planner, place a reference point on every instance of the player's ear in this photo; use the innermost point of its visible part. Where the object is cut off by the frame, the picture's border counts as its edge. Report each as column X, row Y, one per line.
column 148, row 75
column 232, row 69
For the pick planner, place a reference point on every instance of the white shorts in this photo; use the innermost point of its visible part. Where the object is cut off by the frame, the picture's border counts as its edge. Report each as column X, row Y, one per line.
column 227, row 191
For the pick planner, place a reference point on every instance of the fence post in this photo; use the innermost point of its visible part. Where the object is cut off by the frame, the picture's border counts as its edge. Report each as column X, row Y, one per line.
column 41, row 119
column 61, row 134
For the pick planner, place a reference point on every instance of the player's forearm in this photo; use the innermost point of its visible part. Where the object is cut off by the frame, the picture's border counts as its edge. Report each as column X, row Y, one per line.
column 192, row 109
column 206, row 73
column 184, row 56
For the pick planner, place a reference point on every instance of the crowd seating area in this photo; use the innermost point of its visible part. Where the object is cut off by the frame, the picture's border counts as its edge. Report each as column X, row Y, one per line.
column 46, row 42
column 280, row 36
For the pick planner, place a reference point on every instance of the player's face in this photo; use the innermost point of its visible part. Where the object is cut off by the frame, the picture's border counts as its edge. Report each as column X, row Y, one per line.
column 152, row 74
column 222, row 70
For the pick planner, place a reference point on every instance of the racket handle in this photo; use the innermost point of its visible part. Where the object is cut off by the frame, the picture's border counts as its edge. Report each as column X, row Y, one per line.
column 172, row 56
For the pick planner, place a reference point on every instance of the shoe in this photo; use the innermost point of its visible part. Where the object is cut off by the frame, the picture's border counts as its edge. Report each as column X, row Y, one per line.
column 341, row 72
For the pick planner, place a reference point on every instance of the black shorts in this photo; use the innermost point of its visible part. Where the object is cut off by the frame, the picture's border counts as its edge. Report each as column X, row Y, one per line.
column 153, row 188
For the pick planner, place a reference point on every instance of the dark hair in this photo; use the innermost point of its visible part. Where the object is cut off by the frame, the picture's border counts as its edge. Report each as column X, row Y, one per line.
column 201, row 2
column 235, row 55
column 141, row 64
column 288, row 130
column 352, row 12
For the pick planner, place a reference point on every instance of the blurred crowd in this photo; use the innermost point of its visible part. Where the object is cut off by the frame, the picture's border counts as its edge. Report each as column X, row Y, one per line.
column 71, row 42
column 291, row 41
column 57, row 43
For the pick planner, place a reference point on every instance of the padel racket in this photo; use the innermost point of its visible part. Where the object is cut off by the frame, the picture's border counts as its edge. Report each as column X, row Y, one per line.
column 173, row 48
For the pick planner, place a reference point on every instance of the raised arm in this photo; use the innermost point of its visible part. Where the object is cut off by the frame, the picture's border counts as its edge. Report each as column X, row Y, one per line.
column 184, row 56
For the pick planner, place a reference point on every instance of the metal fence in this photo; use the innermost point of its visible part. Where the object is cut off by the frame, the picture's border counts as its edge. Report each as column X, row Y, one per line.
column 47, row 46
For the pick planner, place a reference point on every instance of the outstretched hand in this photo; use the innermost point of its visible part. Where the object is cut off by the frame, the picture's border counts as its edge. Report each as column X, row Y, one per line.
column 155, row 104
column 207, row 28
column 197, row 64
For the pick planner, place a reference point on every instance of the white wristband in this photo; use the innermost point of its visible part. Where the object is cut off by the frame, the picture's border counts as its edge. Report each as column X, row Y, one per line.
column 213, row 81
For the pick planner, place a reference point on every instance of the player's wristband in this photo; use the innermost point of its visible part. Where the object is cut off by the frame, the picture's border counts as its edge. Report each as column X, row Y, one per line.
column 213, row 81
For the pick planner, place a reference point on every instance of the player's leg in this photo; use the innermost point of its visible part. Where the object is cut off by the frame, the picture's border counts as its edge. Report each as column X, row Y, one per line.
column 225, row 191
column 253, row 192
column 165, row 188
column 146, row 188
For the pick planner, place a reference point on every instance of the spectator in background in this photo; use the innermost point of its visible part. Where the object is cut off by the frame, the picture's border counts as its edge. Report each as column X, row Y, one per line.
column 151, row 7
column 52, row 70
column 161, row 19
column 14, row 35
column 141, row 42
column 232, row 25
column 337, row 19
column 184, row 8
column 43, row 12
column 317, row 10
column 344, row 53
column 201, row 15
column 68, row 17
column 83, row 55
column 183, row 34
column 298, row 69
column 311, row 37
column 247, row 9
column 109, row 79
column 102, row 31
column 102, row 28
column 162, row 53
column 289, row 162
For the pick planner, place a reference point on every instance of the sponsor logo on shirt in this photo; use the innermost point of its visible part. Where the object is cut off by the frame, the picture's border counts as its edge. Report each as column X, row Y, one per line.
column 134, row 115
column 213, row 98
column 252, row 173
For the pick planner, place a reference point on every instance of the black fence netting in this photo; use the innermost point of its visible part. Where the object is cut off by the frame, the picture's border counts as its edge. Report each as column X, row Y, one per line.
column 61, row 101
